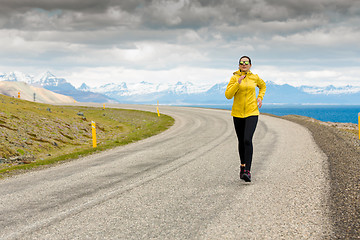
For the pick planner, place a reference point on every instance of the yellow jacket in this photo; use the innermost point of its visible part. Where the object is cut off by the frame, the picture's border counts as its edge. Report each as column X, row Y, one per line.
column 245, row 100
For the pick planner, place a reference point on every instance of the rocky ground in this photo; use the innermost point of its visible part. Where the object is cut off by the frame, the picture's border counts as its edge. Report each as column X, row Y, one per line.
column 340, row 142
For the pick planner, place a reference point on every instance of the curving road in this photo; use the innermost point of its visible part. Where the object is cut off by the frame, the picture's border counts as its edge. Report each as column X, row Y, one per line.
column 180, row 184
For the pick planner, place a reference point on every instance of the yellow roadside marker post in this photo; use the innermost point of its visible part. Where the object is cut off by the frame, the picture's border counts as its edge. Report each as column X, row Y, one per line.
column 104, row 106
column 93, row 126
column 158, row 109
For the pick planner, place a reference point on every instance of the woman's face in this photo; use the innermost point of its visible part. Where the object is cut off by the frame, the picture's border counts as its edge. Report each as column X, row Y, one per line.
column 244, row 65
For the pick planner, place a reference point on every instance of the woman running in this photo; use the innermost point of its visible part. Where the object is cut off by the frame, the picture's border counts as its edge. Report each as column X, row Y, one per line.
column 245, row 110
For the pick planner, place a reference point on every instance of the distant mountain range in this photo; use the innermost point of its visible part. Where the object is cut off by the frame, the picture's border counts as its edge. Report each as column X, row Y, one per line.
column 58, row 85
column 185, row 93
column 31, row 93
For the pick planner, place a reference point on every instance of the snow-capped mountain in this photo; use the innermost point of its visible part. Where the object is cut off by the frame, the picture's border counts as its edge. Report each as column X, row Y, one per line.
column 45, row 79
column 17, row 77
column 84, row 88
column 141, row 88
column 49, row 79
column 50, row 82
column 218, row 88
column 189, row 93
column 31, row 93
column 330, row 89
column 111, row 88
column 185, row 92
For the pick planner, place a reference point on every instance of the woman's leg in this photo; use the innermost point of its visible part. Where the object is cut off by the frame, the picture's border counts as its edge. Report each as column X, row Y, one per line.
column 249, row 130
column 239, row 124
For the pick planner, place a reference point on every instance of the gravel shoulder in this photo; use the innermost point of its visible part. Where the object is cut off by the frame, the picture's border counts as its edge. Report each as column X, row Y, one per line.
column 341, row 145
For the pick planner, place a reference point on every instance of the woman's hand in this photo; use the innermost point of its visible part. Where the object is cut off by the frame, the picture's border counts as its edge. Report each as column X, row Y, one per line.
column 259, row 101
column 241, row 78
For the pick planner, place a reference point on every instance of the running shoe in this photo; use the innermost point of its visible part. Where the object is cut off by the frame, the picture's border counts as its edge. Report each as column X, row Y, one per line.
column 242, row 169
column 247, row 176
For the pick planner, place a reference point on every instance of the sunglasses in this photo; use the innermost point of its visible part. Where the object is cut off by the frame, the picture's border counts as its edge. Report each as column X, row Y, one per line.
column 244, row 63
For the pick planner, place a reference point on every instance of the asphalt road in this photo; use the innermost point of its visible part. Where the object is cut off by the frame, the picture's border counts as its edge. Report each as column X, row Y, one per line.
column 181, row 184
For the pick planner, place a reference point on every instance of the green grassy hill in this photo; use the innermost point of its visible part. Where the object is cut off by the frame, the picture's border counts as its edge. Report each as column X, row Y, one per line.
column 35, row 134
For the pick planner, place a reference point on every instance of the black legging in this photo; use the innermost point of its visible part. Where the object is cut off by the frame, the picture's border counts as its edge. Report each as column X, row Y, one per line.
column 245, row 128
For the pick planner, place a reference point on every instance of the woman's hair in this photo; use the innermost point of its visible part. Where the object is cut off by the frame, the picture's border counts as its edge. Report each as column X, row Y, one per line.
column 245, row 57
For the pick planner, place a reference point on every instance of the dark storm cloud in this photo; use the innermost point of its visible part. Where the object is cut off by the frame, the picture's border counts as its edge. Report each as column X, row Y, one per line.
column 79, row 5
column 63, row 14
column 122, row 22
column 93, row 14
column 229, row 20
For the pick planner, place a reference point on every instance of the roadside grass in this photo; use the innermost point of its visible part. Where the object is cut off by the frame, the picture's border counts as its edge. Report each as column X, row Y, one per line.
column 36, row 135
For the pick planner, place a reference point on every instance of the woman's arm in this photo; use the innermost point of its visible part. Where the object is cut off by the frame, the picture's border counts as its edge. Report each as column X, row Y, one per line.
column 262, row 89
column 233, row 86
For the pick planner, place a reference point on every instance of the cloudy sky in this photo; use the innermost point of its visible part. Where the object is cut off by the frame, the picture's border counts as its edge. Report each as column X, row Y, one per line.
column 299, row 42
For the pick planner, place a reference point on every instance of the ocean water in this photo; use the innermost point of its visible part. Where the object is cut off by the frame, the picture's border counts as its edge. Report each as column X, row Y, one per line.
column 326, row 113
